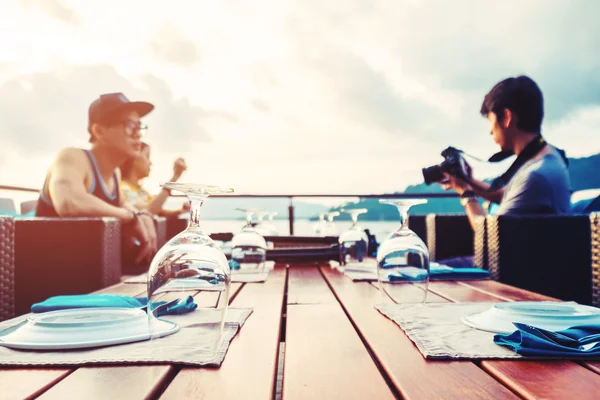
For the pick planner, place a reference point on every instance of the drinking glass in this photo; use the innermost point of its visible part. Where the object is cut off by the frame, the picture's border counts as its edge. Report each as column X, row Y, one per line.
column 263, row 227
column 320, row 225
column 403, row 259
column 354, row 242
column 190, row 261
column 330, row 229
column 248, row 247
column 270, row 226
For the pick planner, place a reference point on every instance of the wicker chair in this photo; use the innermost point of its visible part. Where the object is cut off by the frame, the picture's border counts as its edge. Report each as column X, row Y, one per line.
column 546, row 254
column 480, row 253
column 60, row 256
column 418, row 224
column 7, row 268
column 449, row 235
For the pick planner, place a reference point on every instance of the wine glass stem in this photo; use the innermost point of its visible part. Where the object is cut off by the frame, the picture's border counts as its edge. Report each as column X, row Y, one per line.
column 196, row 202
column 354, row 219
column 403, row 210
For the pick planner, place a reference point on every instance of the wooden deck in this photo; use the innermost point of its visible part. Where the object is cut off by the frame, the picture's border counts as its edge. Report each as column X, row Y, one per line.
column 315, row 334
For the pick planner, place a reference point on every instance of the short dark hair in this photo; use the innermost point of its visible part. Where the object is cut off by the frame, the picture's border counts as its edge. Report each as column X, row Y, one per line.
column 522, row 96
column 127, row 166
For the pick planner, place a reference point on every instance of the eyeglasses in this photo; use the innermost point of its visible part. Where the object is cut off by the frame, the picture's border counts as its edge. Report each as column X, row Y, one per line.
column 132, row 127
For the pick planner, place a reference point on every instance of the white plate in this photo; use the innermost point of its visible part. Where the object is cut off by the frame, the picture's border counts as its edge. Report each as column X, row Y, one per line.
column 83, row 327
column 547, row 315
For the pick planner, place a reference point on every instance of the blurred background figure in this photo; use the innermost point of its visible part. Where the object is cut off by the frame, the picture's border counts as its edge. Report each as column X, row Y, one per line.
column 134, row 170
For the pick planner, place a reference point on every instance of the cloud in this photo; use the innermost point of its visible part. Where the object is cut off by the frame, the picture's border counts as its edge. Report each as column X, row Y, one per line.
column 54, row 9
column 263, row 77
column 369, row 92
column 261, row 105
column 171, row 46
column 47, row 110
column 466, row 47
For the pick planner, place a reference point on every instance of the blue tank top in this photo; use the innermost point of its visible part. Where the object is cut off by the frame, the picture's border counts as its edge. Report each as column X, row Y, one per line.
column 45, row 208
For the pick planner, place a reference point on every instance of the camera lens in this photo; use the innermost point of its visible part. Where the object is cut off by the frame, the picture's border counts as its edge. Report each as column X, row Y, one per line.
column 433, row 174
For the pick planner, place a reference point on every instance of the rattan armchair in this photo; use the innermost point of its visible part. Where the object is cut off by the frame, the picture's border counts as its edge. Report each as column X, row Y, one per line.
column 60, row 256
column 448, row 236
column 7, row 268
column 552, row 255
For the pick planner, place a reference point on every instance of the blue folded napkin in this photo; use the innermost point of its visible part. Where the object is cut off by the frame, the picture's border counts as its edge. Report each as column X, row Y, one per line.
column 439, row 272
column 111, row 300
column 582, row 340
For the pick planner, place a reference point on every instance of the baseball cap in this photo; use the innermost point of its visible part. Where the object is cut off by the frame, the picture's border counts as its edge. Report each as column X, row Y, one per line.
column 108, row 105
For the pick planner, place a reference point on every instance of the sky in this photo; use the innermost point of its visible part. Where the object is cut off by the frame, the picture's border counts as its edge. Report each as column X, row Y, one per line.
column 292, row 96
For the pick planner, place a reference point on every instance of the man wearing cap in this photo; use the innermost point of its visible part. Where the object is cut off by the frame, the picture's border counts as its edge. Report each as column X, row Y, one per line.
column 85, row 183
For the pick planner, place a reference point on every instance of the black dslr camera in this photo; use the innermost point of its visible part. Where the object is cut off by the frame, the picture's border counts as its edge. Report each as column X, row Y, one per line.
column 454, row 164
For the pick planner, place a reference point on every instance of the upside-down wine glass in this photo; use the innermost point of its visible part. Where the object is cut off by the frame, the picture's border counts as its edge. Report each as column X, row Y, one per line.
column 403, row 259
column 190, row 261
column 271, row 225
column 320, row 225
column 354, row 242
column 248, row 247
column 262, row 227
column 330, row 229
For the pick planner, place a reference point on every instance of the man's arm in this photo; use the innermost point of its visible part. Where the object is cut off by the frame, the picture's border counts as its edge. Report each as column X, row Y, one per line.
column 71, row 199
column 474, row 212
column 481, row 189
column 69, row 194
column 472, row 207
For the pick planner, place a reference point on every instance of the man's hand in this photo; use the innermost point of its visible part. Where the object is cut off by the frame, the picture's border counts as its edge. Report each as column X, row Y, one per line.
column 143, row 229
column 452, row 183
column 179, row 167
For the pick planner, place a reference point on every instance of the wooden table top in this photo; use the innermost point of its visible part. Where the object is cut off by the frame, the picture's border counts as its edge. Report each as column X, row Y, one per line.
column 314, row 334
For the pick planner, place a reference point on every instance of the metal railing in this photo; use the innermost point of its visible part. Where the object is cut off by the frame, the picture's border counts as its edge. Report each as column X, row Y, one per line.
column 292, row 196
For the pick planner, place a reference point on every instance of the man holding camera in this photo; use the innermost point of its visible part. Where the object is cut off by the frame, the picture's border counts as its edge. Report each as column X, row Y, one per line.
column 537, row 182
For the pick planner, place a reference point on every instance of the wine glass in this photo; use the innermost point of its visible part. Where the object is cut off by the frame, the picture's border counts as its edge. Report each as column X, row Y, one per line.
column 263, row 227
column 190, row 261
column 354, row 242
column 269, row 226
column 248, row 247
column 320, row 226
column 329, row 229
column 403, row 259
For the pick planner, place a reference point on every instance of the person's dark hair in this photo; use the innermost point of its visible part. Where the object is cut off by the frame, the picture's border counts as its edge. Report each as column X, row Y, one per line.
column 127, row 166
column 110, row 120
column 522, row 96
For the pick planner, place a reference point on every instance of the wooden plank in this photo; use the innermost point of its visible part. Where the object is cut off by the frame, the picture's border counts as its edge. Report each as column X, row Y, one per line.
column 127, row 382
column 529, row 379
column 413, row 376
column 249, row 369
column 324, row 356
column 506, row 292
column 454, row 292
column 306, row 286
column 593, row 366
column 115, row 382
column 30, row 382
column 547, row 379
column 20, row 383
